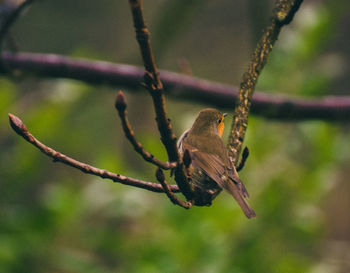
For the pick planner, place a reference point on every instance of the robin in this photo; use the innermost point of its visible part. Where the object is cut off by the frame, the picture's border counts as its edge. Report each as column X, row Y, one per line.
column 211, row 167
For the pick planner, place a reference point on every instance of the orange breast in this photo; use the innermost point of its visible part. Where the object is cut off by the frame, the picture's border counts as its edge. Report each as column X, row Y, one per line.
column 221, row 127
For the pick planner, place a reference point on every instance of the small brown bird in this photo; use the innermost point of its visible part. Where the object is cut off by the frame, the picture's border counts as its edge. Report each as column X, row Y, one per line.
column 212, row 169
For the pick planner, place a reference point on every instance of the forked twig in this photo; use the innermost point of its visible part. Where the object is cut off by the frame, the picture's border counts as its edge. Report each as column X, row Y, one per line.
column 152, row 80
column 11, row 18
column 120, row 105
column 155, row 88
column 283, row 14
column 173, row 198
column 19, row 127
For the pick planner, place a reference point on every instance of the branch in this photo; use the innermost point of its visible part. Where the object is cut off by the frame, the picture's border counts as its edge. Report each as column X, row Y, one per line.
column 152, row 80
column 155, row 87
column 173, row 198
column 19, row 127
column 120, row 105
column 11, row 18
column 283, row 14
column 244, row 157
column 281, row 107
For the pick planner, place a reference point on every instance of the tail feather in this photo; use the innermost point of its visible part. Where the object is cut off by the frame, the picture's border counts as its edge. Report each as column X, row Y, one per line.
column 242, row 189
column 233, row 175
column 239, row 196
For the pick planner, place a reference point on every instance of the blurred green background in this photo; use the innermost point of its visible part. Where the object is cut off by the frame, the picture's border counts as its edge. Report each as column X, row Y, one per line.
column 56, row 219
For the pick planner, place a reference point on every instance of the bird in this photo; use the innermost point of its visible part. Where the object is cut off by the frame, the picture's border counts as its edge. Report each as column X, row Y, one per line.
column 211, row 168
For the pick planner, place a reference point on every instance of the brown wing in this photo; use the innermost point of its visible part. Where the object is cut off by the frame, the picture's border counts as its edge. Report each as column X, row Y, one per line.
column 232, row 173
column 209, row 161
column 227, row 178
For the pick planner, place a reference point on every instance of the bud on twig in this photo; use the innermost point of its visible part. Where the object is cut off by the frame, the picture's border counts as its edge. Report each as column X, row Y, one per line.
column 17, row 124
column 245, row 153
column 120, row 102
column 148, row 79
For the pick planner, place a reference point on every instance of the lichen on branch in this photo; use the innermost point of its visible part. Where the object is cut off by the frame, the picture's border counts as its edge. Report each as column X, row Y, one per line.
column 283, row 14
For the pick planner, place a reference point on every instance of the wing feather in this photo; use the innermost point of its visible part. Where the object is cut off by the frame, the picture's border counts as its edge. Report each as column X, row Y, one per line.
column 223, row 172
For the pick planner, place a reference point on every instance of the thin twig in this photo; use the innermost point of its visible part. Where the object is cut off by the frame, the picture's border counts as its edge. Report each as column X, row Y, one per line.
column 244, row 157
column 173, row 198
column 283, row 14
column 19, row 127
column 120, row 105
column 11, row 18
column 152, row 79
column 155, row 87
column 273, row 106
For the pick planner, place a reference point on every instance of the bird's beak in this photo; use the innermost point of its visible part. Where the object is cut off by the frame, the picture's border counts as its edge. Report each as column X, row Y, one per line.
column 224, row 114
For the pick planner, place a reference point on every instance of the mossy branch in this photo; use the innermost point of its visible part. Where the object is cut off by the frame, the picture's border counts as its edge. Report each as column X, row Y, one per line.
column 283, row 14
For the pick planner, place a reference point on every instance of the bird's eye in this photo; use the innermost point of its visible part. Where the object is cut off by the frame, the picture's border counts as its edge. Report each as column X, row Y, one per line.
column 219, row 121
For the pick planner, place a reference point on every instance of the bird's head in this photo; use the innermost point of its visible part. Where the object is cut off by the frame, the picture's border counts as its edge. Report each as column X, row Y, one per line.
column 209, row 121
